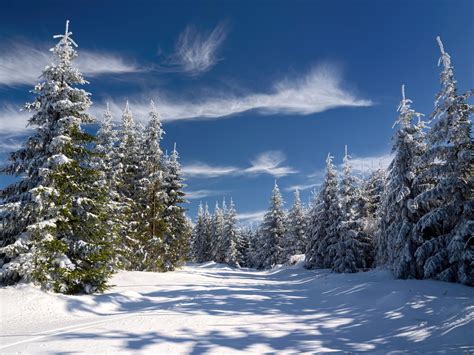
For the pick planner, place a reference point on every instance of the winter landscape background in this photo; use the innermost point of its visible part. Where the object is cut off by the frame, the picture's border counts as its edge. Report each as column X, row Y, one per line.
column 196, row 179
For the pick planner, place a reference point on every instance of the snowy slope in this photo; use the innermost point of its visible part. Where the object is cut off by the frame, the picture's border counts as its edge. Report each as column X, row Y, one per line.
column 212, row 308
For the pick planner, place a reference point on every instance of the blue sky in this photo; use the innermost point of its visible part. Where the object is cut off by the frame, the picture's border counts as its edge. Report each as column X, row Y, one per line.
column 251, row 91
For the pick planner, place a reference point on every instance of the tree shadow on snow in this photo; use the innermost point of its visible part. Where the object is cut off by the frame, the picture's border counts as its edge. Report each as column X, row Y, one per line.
column 300, row 311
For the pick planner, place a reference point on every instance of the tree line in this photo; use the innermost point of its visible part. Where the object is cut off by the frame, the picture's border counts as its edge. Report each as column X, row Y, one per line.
column 84, row 206
column 415, row 218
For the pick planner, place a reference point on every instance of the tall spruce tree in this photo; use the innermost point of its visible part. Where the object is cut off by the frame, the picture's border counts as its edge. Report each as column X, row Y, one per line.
column 128, row 186
column 370, row 202
column 216, row 234
column 177, row 235
column 325, row 215
column 54, row 229
column 373, row 188
column 395, row 245
column 243, row 247
column 255, row 245
column 446, row 227
column 230, row 236
column 273, row 231
column 199, row 242
column 295, row 240
column 219, row 244
column 353, row 247
column 151, row 227
column 104, row 149
column 104, row 161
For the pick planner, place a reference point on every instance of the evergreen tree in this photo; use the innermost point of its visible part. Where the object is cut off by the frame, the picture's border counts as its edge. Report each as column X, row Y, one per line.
column 151, row 227
column 104, row 161
column 296, row 235
column 255, row 249
column 230, row 236
column 177, row 236
column 54, row 229
column 353, row 248
column 325, row 216
column 217, row 231
column 445, row 230
column 202, row 236
column 273, row 231
column 197, row 246
column 219, row 242
column 127, row 181
column 245, row 236
column 372, row 192
column 394, row 243
column 104, row 149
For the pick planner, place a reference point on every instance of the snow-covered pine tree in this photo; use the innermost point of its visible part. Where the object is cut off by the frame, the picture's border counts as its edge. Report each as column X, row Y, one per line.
column 395, row 245
column 372, row 192
column 219, row 244
column 255, row 248
column 177, row 236
column 151, row 226
column 230, row 236
column 245, row 236
column 295, row 240
column 353, row 249
column 445, row 230
column 104, row 161
column 373, row 189
column 216, row 233
column 128, row 174
column 54, row 228
column 198, row 242
column 325, row 215
column 273, row 231
column 104, row 148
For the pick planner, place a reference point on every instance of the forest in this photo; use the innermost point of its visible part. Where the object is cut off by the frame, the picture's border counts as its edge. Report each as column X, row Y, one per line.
column 84, row 205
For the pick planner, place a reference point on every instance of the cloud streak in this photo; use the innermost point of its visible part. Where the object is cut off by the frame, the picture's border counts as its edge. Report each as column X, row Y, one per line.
column 250, row 217
column 302, row 187
column 13, row 121
column 370, row 164
column 197, row 194
column 196, row 52
column 269, row 162
column 317, row 91
column 23, row 63
column 199, row 169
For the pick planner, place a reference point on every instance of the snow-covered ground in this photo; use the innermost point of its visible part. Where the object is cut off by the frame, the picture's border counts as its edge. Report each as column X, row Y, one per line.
column 212, row 308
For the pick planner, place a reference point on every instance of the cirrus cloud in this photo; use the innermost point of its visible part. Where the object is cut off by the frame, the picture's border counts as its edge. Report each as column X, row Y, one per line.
column 318, row 90
column 270, row 162
column 196, row 52
column 23, row 63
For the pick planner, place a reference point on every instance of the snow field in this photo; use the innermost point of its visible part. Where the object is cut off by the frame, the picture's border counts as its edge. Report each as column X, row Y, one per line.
column 215, row 309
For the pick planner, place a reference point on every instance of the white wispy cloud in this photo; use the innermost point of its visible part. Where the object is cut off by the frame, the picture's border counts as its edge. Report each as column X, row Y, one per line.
column 12, row 120
column 319, row 90
column 196, row 52
column 199, row 169
column 269, row 162
column 23, row 63
column 248, row 217
column 197, row 194
column 366, row 165
column 10, row 144
column 302, row 187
